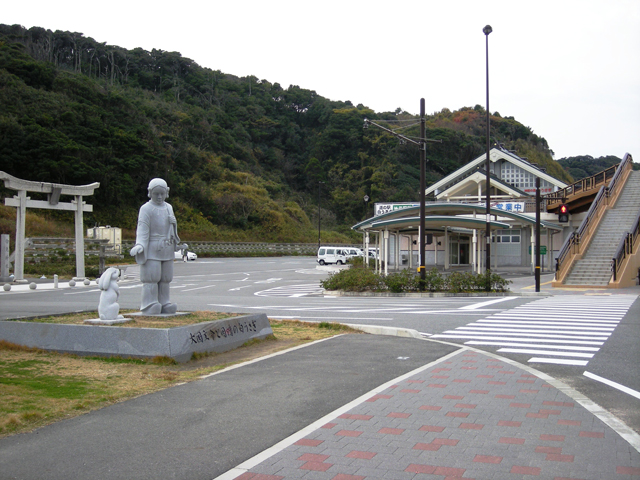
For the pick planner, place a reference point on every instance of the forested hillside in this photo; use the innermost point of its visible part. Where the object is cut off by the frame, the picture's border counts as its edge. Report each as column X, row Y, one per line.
column 586, row 166
column 245, row 158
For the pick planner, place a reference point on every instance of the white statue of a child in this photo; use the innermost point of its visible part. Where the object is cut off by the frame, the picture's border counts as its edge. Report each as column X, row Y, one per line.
column 156, row 243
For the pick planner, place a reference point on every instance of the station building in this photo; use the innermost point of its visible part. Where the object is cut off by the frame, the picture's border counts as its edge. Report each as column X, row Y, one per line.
column 456, row 219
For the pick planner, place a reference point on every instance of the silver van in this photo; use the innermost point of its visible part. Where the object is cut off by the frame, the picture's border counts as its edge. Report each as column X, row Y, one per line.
column 328, row 255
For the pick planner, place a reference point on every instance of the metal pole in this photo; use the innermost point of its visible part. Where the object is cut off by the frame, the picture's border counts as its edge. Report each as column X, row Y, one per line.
column 423, row 181
column 537, row 234
column 319, row 183
column 487, row 30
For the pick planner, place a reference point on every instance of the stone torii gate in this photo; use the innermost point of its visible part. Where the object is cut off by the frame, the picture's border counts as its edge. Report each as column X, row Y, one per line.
column 53, row 191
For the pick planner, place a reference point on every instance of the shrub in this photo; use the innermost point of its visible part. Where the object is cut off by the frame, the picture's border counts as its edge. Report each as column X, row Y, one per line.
column 353, row 280
column 404, row 281
column 434, row 281
column 358, row 279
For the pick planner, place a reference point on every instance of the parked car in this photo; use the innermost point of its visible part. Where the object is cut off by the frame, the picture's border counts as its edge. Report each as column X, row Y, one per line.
column 353, row 252
column 328, row 255
column 190, row 256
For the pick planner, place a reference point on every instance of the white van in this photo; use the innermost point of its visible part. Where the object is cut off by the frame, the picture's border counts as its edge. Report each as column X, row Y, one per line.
column 327, row 255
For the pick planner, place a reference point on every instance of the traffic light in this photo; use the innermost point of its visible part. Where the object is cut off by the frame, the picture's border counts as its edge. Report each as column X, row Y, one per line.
column 563, row 213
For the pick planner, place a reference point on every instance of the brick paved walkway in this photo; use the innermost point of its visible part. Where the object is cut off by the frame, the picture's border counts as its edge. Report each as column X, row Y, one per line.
column 471, row 416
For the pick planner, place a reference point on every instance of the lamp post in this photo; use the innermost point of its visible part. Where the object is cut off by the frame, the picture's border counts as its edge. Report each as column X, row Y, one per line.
column 366, row 204
column 319, row 183
column 487, row 30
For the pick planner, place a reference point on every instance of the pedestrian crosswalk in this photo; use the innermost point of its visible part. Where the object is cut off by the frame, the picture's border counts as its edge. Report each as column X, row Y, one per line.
column 562, row 330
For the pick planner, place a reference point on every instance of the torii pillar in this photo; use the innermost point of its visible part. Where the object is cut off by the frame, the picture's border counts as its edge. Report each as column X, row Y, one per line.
column 53, row 191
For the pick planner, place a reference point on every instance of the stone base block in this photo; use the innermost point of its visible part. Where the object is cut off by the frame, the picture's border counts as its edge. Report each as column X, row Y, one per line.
column 178, row 343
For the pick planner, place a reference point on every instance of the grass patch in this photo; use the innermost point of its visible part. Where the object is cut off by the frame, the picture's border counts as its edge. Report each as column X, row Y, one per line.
column 335, row 326
column 137, row 321
column 39, row 387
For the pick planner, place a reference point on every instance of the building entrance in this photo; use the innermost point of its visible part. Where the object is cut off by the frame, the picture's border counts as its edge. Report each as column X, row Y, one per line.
column 459, row 249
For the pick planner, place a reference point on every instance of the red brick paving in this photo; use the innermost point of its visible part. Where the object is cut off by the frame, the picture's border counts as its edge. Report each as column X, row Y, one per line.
column 503, row 413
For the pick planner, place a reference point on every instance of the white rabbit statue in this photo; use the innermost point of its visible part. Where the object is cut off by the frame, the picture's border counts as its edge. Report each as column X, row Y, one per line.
column 108, row 307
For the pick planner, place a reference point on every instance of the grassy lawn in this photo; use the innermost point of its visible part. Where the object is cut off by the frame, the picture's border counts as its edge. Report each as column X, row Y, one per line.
column 38, row 387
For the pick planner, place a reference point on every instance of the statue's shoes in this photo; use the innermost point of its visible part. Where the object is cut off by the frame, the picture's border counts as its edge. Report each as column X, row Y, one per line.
column 153, row 309
column 169, row 308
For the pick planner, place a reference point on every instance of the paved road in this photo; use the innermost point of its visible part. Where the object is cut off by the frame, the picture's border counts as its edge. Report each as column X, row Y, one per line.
column 288, row 288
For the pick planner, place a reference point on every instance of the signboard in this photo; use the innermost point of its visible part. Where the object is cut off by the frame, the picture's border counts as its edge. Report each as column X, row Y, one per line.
column 543, row 250
column 382, row 208
column 517, row 207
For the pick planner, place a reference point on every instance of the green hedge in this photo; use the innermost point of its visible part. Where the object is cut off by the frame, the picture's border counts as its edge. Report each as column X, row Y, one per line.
column 358, row 279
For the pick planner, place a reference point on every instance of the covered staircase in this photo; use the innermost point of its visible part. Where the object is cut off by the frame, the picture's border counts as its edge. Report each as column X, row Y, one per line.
column 594, row 268
column 604, row 250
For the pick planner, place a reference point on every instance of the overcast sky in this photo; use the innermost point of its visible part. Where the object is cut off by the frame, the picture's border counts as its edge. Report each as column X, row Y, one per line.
column 568, row 69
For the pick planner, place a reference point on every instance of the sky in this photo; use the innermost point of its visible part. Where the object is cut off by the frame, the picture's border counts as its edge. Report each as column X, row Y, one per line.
column 569, row 70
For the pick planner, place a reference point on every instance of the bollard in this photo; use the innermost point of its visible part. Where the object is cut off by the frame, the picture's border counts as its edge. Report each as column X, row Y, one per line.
column 55, row 281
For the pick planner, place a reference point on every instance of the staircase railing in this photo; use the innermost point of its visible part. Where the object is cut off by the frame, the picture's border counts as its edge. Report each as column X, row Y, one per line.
column 582, row 185
column 625, row 249
column 577, row 242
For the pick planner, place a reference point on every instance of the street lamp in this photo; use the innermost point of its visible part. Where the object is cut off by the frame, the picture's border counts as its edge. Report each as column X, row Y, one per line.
column 487, row 30
column 366, row 204
column 319, row 183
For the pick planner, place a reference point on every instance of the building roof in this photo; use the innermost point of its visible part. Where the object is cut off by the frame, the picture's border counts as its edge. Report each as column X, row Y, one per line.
column 436, row 222
column 447, row 214
column 454, row 179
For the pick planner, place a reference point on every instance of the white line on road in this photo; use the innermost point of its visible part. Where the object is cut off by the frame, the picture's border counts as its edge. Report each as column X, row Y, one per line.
column 613, row 384
column 542, row 352
column 537, row 325
column 565, row 321
column 519, row 339
column 511, row 344
column 559, row 361
column 197, row 288
column 476, row 306
column 515, row 330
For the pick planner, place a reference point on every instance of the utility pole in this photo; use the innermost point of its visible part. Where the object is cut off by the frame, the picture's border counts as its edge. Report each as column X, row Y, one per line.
column 537, row 234
column 422, row 144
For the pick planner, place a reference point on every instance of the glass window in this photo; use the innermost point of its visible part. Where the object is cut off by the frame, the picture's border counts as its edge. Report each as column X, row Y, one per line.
column 508, row 236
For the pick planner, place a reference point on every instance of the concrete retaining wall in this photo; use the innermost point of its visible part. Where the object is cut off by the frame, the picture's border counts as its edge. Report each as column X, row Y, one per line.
column 178, row 343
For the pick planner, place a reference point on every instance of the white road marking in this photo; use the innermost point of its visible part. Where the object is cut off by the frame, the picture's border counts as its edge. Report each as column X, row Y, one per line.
column 197, row 288
column 512, row 344
column 475, row 306
column 559, row 361
column 613, row 384
column 542, row 352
